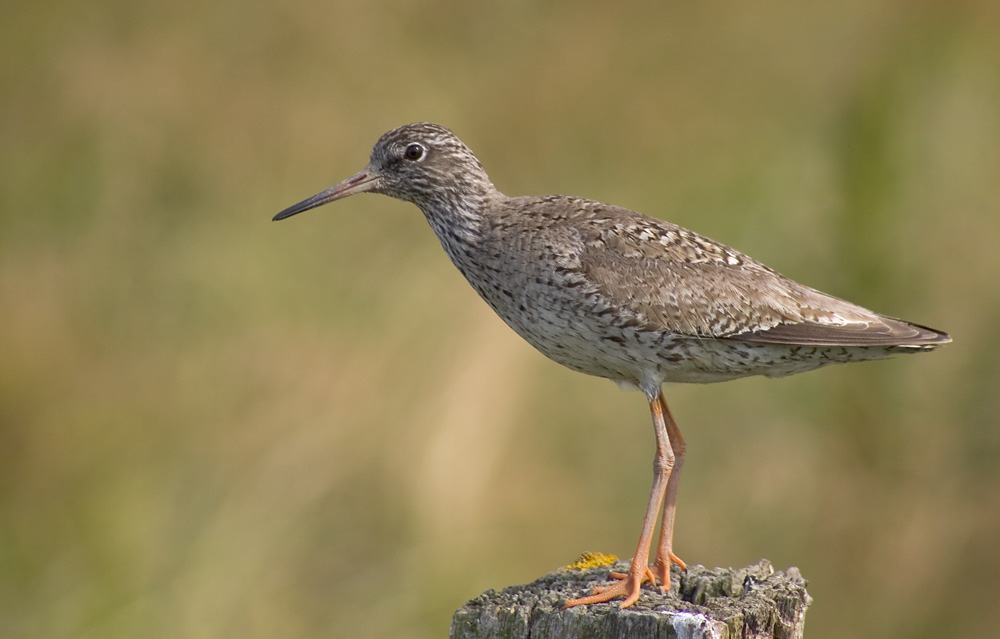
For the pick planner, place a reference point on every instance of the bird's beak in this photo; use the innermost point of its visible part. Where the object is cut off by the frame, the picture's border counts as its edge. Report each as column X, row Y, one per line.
column 361, row 182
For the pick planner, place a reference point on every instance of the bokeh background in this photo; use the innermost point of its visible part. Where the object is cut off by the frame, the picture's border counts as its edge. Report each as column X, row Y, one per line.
column 216, row 426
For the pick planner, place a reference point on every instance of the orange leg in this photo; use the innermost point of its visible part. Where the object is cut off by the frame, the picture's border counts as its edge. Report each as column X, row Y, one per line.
column 639, row 571
column 664, row 552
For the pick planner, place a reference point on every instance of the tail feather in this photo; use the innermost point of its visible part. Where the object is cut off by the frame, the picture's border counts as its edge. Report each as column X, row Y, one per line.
column 879, row 331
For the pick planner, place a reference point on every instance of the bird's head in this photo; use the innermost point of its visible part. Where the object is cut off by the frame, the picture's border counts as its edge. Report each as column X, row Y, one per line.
column 422, row 163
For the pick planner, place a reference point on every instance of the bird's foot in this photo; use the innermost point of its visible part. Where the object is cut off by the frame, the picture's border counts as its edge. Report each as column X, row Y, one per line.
column 661, row 570
column 628, row 585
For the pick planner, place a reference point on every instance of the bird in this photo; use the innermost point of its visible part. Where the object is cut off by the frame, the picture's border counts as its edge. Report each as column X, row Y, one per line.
column 609, row 292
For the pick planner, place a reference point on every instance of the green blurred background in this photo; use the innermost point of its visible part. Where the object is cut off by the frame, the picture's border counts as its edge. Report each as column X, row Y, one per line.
column 216, row 426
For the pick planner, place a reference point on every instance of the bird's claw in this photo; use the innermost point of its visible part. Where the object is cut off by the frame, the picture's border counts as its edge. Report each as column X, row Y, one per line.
column 629, row 585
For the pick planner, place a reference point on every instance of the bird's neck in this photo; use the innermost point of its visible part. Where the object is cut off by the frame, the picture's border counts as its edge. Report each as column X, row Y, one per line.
column 460, row 222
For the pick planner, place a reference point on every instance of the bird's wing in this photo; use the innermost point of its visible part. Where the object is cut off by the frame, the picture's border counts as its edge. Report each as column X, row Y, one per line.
column 886, row 331
column 672, row 279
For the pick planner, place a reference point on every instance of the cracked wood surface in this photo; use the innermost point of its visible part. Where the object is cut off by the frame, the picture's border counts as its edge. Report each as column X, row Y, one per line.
column 752, row 602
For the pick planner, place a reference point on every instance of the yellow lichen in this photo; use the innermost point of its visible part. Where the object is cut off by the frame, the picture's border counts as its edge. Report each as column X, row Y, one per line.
column 592, row 560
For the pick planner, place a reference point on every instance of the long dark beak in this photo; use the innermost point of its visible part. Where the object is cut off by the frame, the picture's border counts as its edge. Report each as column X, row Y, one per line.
column 360, row 182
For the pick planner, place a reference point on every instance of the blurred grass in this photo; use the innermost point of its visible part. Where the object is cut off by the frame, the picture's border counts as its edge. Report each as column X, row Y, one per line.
column 215, row 426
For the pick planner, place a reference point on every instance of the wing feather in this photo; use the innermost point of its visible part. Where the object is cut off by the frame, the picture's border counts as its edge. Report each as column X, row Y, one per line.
column 676, row 280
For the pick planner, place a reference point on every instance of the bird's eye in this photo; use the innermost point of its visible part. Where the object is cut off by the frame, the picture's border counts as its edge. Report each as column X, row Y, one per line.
column 414, row 152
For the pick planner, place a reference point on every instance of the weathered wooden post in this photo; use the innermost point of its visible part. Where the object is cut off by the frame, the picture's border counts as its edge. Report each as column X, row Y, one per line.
column 746, row 603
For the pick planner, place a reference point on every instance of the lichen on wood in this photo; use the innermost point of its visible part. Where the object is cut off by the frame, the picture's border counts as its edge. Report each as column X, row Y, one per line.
column 721, row 603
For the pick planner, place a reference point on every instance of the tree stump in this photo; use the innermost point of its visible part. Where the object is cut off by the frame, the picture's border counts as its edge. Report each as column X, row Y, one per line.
column 752, row 602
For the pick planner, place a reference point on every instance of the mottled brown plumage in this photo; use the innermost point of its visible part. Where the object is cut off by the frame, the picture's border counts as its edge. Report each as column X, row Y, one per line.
column 610, row 292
